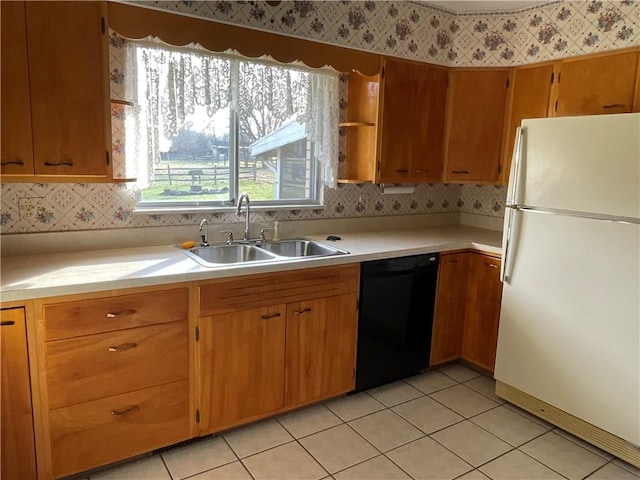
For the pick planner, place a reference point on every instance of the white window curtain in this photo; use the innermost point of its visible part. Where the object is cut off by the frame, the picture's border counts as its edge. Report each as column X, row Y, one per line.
column 167, row 83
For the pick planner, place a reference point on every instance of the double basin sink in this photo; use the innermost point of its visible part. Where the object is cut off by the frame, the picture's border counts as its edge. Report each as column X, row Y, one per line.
column 260, row 251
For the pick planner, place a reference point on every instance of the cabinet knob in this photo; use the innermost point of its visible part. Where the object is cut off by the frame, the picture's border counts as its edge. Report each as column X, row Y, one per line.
column 120, row 314
column 491, row 265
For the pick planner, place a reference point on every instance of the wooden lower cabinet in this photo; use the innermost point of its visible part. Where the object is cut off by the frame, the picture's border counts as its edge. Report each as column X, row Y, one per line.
column 321, row 348
column 17, row 448
column 242, row 365
column 115, row 376
column 122, row 373
column 467, row 312
column 95, row 433
column 275, row 342
column 448, row 316
column 482, row 312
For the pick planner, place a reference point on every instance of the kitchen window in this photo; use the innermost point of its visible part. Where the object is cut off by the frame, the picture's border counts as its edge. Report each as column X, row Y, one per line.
column 206, row 127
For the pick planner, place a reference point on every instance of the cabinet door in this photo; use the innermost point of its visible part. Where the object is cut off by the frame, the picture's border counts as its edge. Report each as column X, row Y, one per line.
column 242, row 366
column 67, row 47
column 321, row 348
column 475, row 124
column 413, row 103
column 530, row 93
column 595, row 86
column 448, row 319
column 17, row 149
column 482, row 313
column 427, row 166
column 18, row 459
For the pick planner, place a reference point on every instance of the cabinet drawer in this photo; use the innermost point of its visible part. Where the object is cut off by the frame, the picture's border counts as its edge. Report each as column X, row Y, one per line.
column 96, row 366
column 103, row 431
column 85, row 317
column 244, row 293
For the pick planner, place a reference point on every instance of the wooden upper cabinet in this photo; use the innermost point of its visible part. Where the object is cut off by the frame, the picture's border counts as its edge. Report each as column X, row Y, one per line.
column 529, row 98
column 412, row 122
column 395, row 124
column 18, row 458
column 476, row 105
column 68, row 65
column 361, row 129
column 55, row 94
column 593, row 86
column 17, row 147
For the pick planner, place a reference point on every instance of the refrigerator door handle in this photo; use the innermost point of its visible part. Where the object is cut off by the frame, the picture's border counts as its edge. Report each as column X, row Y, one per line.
column 514, row 180
column 506, row 243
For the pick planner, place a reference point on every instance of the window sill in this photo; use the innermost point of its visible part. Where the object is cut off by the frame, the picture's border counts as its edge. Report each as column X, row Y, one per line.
column 213, row 209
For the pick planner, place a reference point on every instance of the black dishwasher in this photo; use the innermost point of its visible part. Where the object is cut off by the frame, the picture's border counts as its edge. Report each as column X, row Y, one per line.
column 395, row 320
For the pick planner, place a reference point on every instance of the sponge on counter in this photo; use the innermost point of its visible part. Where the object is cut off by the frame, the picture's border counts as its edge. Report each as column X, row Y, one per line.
column 188, row 244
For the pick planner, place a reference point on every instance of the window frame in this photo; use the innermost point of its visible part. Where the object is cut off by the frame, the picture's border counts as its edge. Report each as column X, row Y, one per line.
column 315, row 199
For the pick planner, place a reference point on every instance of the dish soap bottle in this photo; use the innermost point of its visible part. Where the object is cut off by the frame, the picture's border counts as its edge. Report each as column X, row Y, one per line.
column 276, row 231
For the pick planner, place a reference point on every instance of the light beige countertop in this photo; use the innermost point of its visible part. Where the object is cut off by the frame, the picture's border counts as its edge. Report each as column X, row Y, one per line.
column 27, row 277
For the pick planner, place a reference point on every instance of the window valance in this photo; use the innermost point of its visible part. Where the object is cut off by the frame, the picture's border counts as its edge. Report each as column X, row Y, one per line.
column 179, row 30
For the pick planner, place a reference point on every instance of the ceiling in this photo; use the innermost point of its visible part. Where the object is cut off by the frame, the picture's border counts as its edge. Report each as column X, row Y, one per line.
column 482, row 5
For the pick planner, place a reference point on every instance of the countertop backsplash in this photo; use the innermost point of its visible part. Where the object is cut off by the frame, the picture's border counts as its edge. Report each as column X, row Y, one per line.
column 36, row 207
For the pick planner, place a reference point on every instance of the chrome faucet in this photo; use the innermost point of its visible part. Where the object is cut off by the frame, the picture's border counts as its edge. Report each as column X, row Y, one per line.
column 205, row 236
column 244, row 196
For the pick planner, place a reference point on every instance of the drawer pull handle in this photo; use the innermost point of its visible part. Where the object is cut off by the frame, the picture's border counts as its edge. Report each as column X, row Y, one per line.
column 614, row 105
column 125, row 410
column 420, row 172
column 120, row 314
column 270, row 315
column 7, row 323
column 67, row 163
column 12, row 162
column 304, row 310
column 402, row 170
column 123, row 347
column 465, row 172
column 492, row 265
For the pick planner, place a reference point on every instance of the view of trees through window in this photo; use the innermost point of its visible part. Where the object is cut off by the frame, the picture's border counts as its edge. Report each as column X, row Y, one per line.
column 255, row 141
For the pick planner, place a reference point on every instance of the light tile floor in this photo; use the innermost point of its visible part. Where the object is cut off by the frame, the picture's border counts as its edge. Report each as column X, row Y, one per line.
column 443, row 424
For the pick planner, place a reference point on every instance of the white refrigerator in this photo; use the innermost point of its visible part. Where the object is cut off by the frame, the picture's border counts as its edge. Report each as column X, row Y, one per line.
column 569, row 336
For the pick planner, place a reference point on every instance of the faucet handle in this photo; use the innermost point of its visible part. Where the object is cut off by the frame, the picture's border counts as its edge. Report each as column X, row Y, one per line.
column 262, row 232
column 229, row 234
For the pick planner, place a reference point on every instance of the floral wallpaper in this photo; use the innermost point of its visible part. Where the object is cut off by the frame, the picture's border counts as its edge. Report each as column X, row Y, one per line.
column 421, row 32
column 398, row 28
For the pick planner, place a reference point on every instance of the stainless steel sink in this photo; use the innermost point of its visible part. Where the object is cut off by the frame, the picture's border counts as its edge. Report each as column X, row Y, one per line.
column 217, row 255
column 300, row 247
column 243, row 253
